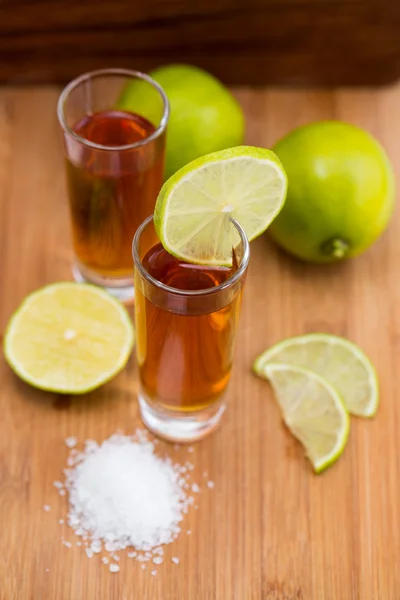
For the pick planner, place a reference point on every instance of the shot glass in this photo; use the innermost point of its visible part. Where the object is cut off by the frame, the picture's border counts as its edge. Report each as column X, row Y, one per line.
column 114, row 124
column 186, row 323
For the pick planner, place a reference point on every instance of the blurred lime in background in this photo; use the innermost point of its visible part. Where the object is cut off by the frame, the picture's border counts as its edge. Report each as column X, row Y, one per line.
column 205, row 117
column 340, row 194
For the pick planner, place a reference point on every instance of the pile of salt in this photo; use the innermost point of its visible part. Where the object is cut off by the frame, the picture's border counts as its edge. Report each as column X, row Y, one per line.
column 122, row 493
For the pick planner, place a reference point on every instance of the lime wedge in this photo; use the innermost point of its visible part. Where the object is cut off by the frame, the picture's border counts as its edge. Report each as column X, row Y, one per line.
column 337, row 360
column 312, row 410
column 68, row 338
column 193, row 207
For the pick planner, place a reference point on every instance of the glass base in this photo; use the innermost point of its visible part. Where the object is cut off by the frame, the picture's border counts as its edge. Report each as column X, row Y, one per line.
column 182, row 428
column 121, row 289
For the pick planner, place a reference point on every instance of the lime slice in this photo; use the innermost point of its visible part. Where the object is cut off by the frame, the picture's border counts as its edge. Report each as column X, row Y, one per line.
column 335, row 359
column 68, row 338
column 193, row 207
column 312, row 410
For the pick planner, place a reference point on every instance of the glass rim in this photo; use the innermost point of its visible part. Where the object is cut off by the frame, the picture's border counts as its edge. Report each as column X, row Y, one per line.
column 104, row 72
column 192, row 293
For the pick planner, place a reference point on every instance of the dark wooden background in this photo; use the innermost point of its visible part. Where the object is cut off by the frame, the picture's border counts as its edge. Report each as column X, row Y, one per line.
column 282, row 42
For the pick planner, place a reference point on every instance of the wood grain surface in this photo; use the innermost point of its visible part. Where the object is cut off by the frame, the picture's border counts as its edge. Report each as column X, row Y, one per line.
column 270, row 529
column 280, row 42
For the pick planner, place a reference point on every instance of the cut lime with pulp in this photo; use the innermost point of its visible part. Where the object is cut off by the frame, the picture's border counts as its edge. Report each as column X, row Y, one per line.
column 68, row 338
column 338, row 361
column 312, row 410
column 193, row 207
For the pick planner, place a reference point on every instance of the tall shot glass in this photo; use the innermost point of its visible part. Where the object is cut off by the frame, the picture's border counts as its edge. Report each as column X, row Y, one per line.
column 114, row 165
column 186, row 323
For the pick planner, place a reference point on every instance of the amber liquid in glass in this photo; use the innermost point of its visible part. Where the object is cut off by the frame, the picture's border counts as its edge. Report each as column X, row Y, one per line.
column 112, row 191
column 185, row 360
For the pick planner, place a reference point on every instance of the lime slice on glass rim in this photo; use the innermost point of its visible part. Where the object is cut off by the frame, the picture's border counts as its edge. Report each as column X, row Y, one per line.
column 312, row 410
column 194, row 207
column 340, row 362
column 68, row 338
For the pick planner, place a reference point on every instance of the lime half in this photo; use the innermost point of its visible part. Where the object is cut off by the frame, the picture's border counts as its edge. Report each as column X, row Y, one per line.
column 68, row 338
column 312, row 410
column 193, row 208
column 335, row 359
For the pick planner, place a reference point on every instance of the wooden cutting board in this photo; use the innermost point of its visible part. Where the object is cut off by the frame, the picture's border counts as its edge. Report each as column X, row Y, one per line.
column 270, row 529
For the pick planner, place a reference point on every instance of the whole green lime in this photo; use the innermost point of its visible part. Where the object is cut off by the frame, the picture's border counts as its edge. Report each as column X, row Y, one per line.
column 340, row 194
column 205, row 117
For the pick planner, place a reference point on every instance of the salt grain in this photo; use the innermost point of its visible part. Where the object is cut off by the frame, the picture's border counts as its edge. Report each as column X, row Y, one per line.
column 91, row 446
column 61, row 521
column 96, row 546
column 143, row 566
column 189, row 531
column 105, row 560
column 210, row 484
column 46, row 508
column 70, row 441
column 67, row 544
column 114, row 568
column 132, row 554
column 195, row 488
column 58, row 484
column 154, row 572
column 190, row 449
column 115, row 557
column 110, row 546
column 157, row 560
column 89, row 552
column 175, row 560
column 146, row 547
